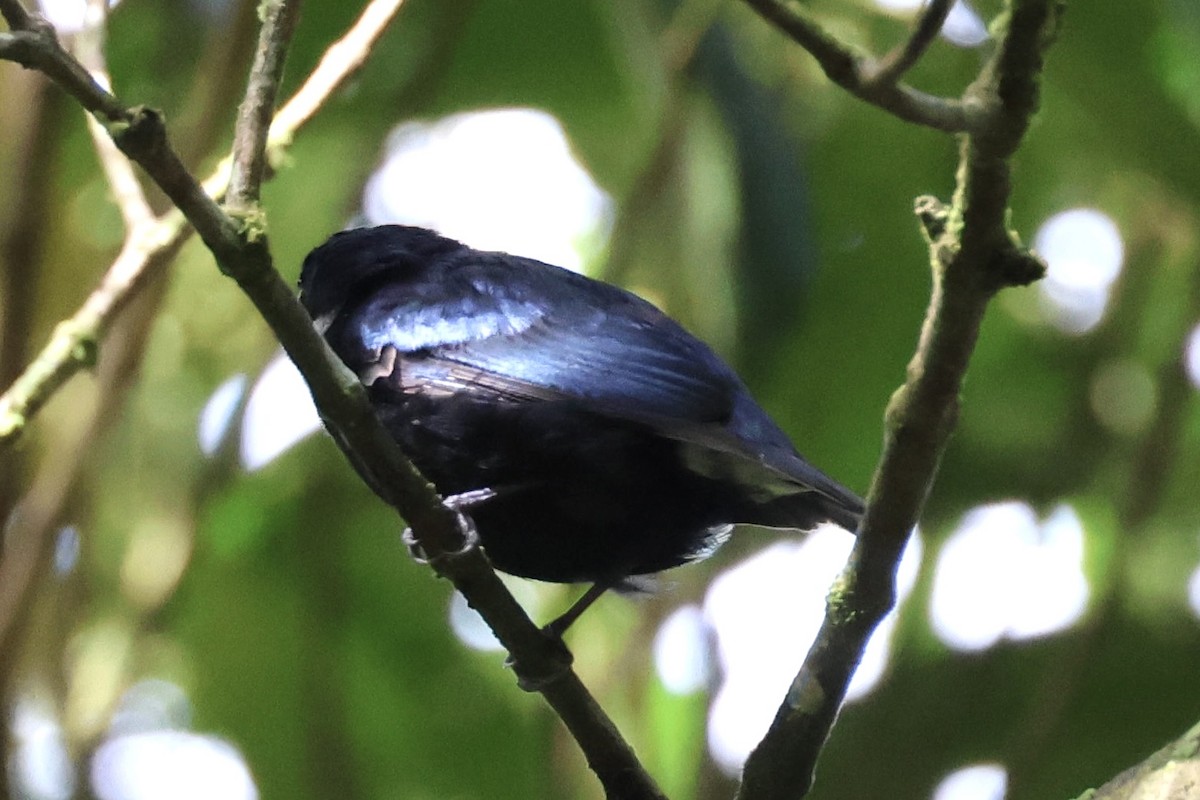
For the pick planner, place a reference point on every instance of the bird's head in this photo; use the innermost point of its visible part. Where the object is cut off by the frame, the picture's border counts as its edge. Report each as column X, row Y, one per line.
column 353, row 261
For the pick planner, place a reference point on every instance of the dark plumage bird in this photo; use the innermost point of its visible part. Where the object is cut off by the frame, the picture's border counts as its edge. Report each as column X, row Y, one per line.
column 617, row 443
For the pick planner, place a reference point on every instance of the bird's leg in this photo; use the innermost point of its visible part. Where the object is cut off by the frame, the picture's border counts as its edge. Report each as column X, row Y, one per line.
column 559, row 625
column 382, row 367
column 559, row 655
column 459, row 504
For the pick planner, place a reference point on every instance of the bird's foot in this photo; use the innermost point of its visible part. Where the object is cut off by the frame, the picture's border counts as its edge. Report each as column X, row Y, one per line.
column 465, row 501
column 459, row 504
column 417, row 551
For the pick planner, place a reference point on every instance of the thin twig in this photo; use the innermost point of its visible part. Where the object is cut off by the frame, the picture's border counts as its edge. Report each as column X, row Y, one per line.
column 75, row 341
column 258, row 106
column 127, row 191
column 30, row 535
column 341, row 60
column 34, row 45
column 854, row 72
column 899, row 61
column 973, row 255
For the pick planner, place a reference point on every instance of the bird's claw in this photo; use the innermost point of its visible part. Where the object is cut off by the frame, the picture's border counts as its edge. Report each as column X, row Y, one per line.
column 464, row 501
column 459, row 504
column 415, row 551
column 418, row 553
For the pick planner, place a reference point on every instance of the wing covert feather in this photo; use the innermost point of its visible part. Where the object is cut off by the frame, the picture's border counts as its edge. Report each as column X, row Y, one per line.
column 519, row 337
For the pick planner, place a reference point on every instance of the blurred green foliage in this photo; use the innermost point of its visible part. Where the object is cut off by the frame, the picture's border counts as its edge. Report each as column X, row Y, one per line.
column 763, row 207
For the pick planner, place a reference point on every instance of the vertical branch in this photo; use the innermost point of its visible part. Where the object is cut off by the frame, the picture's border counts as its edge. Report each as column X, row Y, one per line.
column 343, row 58
column 258, row 106
column 973, row 255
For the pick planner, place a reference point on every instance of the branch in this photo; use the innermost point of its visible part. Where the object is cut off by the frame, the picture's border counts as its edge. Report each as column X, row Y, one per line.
column 893, row 66
column 1173, row 772
column 34, row 45
column 859, row 75
column 973, row 255
column 16, row 15
column 254, row 115
column 343, row 58
column 1153, row 463
column 75, row 341
column 89, row 49
column 241, row 254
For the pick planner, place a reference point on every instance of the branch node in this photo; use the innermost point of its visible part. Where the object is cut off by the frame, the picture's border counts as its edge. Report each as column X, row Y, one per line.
column 41, row 27
column 142, row 131
column 1019, row 267
column 86, row 350
column 82, row 344
column 251, row 223
column 12, row 425
column 840, row 600
column 933, row 215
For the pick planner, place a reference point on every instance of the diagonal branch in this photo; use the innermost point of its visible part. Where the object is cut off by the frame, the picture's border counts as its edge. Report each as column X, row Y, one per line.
column 74, row 343
column 858, row 74
column 342, row 59
column 973, row 255
column 893, row 66
column 445, row 536
column 17, row 17
column 1173, row 772
column 144, row 256
column 34, row 45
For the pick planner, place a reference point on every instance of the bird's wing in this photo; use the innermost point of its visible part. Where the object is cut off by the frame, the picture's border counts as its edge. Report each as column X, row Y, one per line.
column 603, row 349
column 623, row 360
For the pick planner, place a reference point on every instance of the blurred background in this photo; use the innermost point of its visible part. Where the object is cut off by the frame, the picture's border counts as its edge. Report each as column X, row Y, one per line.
column 215, row 606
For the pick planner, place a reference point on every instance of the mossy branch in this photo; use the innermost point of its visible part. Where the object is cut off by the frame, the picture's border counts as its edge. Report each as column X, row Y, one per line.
column 973, row 255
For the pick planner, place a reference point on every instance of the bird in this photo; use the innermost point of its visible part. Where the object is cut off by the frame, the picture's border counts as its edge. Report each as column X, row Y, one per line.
column 607, row 442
